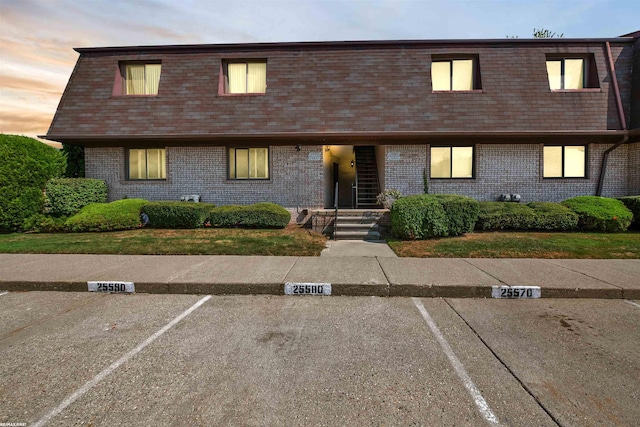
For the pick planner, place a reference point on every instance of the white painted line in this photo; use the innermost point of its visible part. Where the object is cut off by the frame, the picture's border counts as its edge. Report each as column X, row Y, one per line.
column 633, row 303
column 92, row 383
column 3, row 293
column 482, row 404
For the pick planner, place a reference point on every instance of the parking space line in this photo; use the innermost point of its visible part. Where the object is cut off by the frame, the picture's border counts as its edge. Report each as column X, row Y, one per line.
column 633, row 303
column 93, row 382
column 481, row 403
column 3, row 293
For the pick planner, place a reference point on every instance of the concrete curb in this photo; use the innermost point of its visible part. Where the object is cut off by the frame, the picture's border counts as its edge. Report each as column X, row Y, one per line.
column 349, row 276
column 343, row 289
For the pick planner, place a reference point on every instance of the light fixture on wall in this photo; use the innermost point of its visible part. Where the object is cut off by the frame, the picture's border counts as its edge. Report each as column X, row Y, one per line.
column 298, row 148
column 352, row 164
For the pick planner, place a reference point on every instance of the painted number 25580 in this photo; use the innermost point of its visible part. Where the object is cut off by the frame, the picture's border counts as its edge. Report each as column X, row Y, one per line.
column 307, row 289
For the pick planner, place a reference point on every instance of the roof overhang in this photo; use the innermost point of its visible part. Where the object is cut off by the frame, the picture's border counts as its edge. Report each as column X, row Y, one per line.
column 353, row 44
column 342, row 138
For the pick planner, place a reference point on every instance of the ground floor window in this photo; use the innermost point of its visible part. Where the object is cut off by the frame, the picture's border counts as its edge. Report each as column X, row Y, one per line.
column 565, row 161
column 248, row 163
column 147, row 163
column 451, row 162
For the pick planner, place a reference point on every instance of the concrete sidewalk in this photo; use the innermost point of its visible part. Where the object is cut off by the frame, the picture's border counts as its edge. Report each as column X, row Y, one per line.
column 374, row 276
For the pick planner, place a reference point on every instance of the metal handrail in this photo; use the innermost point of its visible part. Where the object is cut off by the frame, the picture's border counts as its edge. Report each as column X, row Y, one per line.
column 356, row 188
column 335, row 217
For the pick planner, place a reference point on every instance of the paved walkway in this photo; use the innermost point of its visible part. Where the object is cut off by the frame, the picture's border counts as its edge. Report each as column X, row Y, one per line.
column 366, row 248
column 355, row 275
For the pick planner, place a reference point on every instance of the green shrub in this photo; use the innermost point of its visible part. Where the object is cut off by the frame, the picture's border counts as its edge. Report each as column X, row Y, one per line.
column 418, row 217
column 177, row 214
column 505, row 216
column 66, row 196
column 553, row 216
column 633, row 204
column 25, row 166
column 260, row 215
column 461, row 211
column 41, row 223
column 600, row 213
column 118, row 215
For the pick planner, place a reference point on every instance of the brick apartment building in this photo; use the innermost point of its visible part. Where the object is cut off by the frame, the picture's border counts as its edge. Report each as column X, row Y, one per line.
column 283, row 122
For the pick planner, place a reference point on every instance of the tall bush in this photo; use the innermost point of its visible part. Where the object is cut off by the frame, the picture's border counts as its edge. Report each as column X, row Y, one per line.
column 418, row 217
column 25, row 166
column 66, row 196
column 633, row 204
column 600, row 213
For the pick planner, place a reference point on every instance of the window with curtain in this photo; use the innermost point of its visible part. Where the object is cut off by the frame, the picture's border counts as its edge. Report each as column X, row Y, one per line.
column 142, row 79
column 565, row 161
column 246, row 77
column 147, row 163
column 566, row 73
column 248, row 163
column 451, row 162
column 454, row 74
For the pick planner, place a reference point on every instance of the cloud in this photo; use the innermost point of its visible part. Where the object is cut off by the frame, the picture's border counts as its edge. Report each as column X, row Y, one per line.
column 26, row 123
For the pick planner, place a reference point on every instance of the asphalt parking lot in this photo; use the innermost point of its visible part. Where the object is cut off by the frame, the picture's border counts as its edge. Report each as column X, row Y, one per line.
column 148, row 359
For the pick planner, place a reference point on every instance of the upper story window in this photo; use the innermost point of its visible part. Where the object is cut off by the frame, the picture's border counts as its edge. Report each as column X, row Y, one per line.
column 248, row 163
column 141, row 79
column 565, row 161
column 245, row 76
column 459, row 74
column 149, row 163
column 451, row 162
column 571, row 73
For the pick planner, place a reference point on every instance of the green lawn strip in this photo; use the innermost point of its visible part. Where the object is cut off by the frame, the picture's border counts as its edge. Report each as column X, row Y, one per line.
column 524, row 245
column 288, row 242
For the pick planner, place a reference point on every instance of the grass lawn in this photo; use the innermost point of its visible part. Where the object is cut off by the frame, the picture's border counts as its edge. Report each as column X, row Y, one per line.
column 524, row 245
column 209, row 241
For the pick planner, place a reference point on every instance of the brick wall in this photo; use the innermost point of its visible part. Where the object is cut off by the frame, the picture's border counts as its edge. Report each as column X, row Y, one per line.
column 316, row 90
column 507, row 169
column 296, row 178
column 633, row 169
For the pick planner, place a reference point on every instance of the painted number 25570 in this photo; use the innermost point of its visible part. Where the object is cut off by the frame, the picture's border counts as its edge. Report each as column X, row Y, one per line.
column 516, row 292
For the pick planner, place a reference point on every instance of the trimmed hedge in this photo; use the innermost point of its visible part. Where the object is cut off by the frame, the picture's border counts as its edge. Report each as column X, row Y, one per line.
column 633, row 204
column 418, row 217
column 259, row 215
column 119, row 215
column 600, row 213
column 462, row 213
column 25, row 166
column 505, row 216
column 41, row 223
column 543, row 216
column 66, row 196
column 177, row 214
column 553, row 216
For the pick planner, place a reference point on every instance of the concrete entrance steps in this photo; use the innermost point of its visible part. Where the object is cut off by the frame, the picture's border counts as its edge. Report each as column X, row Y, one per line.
column 358, row 224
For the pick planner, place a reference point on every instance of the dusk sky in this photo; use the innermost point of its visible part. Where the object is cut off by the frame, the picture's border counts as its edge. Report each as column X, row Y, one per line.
column 37, row 37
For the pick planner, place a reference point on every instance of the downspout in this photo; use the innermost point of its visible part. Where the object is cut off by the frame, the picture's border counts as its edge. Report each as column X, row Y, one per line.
column 623, row 121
